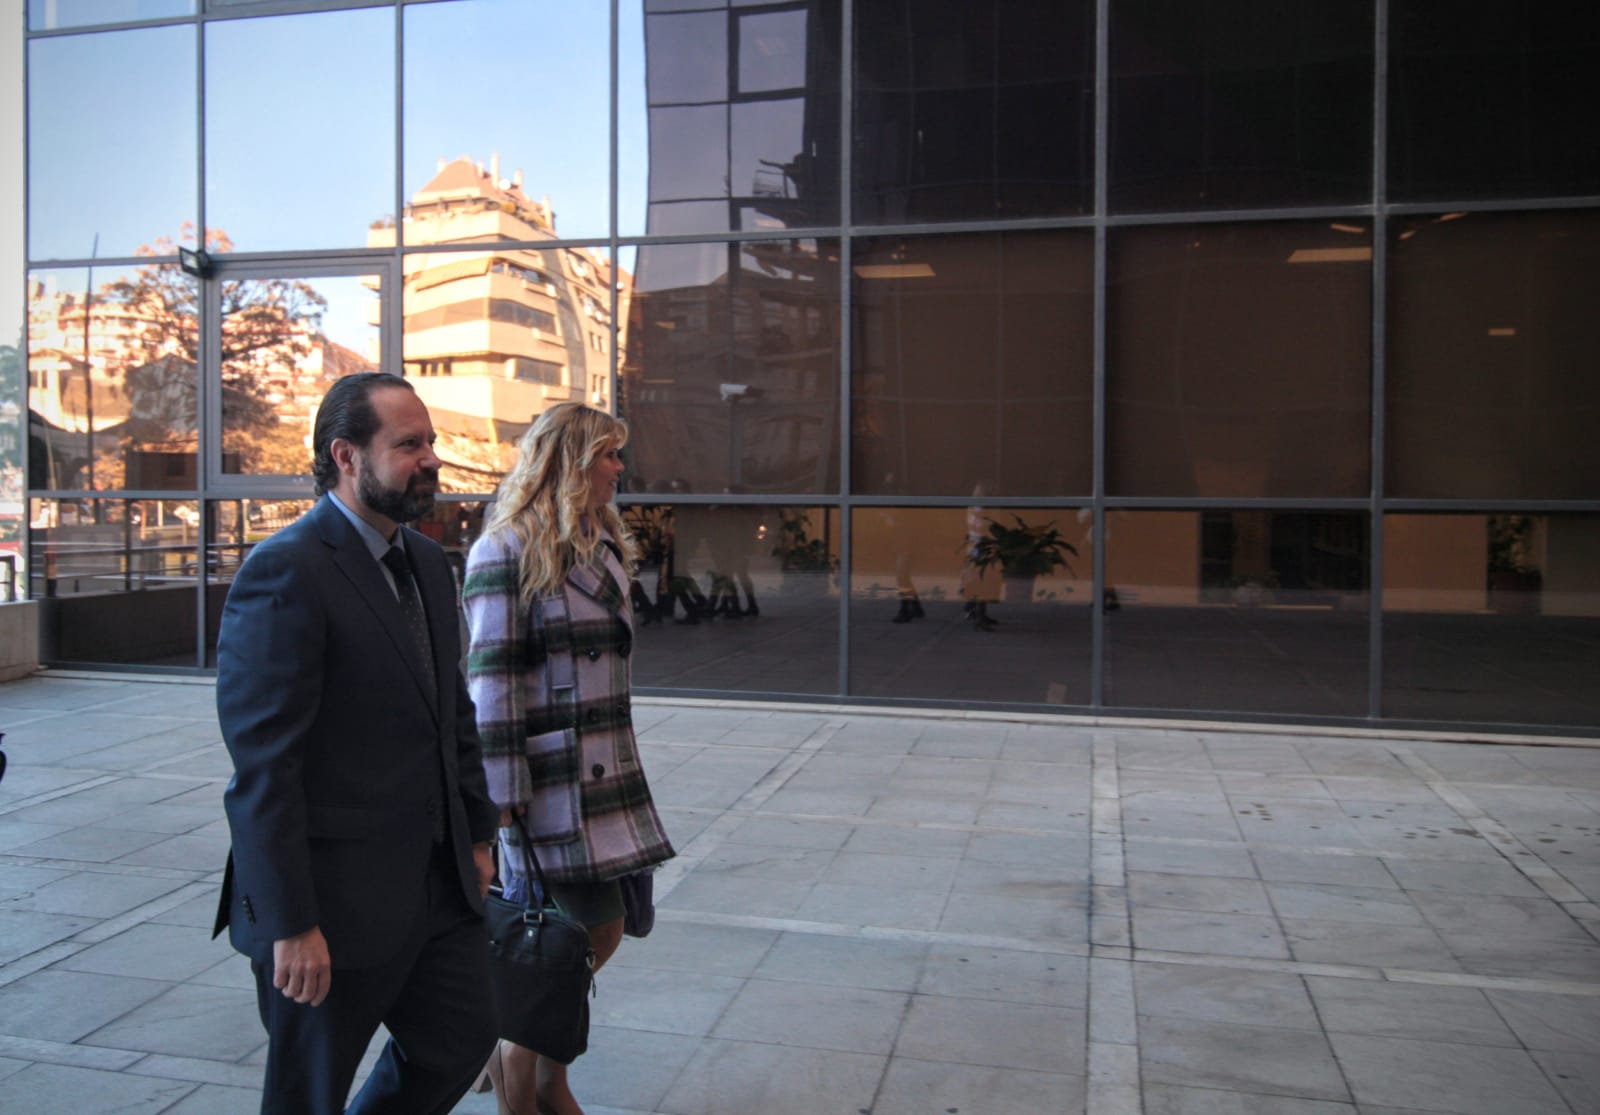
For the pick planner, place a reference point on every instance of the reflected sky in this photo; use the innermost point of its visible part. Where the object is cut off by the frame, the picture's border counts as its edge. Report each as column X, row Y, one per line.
column 128, row 174
column 306, row 163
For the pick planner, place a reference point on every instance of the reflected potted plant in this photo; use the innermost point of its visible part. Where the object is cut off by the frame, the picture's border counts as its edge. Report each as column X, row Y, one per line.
column 1023, row 553
column 1514, row 579
column 801, row 557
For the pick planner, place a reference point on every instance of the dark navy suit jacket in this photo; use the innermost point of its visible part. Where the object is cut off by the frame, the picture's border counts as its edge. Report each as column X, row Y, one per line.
column 344, row 758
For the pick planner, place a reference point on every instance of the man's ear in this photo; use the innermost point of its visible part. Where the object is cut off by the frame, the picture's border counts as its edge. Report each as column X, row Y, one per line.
column 344, row 455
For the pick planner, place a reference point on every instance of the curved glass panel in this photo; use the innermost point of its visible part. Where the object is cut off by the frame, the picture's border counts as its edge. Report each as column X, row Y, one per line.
column 49, row 15
column 971, row 604
column 306, row 163
column 495, row 338
column 283, row 341
column 1492, row 391
column 115, row 107
column 1239, row 360
column 115, row 580
column 1237, row 611
column 1240, row 103
column 973, row 369
column 736, row 596
column 730, row 376
column 972, row 109
column 1492, row 617
column 728, row 119
column 1492, row 100
column 111, row 378
column 528, row 146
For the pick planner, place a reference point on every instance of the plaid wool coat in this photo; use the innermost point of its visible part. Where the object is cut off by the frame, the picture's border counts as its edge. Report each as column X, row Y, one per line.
column 551, row 686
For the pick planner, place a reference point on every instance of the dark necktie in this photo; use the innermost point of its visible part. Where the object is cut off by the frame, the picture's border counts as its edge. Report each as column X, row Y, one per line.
column 411, row 607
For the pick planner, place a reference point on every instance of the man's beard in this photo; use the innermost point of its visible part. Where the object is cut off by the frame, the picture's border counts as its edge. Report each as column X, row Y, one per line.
column 397, row 506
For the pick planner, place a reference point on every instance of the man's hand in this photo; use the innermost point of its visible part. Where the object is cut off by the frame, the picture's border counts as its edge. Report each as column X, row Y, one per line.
column 484, row 861
column 301, row 968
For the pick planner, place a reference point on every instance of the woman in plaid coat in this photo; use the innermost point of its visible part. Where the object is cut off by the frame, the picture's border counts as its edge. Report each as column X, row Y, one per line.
column 549, row 667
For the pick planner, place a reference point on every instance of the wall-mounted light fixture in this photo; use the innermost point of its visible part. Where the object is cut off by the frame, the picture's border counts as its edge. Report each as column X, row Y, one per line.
column 195, row 261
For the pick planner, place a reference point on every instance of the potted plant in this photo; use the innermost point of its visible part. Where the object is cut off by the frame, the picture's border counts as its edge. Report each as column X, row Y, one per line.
column 1023, row 553
column 1514, row 578
column 801, row 557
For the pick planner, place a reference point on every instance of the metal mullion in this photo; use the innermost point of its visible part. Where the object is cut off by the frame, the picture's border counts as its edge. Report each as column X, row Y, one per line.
column 1485, row 205
column 1379, row 342
column 847, row 80
column 208, row 354
column 928, row 228
column 614, row 223
column 1494, row 506
column 1238, row 216
column 1099, row 394
column 1237, row 503
column 97, row 28
column 101, row 261
column 391, row 332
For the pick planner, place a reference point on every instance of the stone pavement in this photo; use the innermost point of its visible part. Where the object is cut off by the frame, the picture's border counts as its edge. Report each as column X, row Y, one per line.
column 892, row 913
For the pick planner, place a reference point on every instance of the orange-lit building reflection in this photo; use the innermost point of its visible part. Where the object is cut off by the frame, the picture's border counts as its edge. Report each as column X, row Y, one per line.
column 495, row 337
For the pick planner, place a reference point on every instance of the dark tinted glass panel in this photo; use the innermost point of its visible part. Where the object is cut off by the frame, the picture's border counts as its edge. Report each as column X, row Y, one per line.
column 729, row 118
column 1240, row 103
column 1492, row 617
column 234, row 528
column 1239, row 611
column 493, row 339
column 736, row 596
column 967, row 109
column 1489, row 99
column 111, row 393
column 1492, row 390
column 522, row 157
column 729, row 379
column 47, row 15
column 111, row 143
column 1239, row 360
column 971, row 604
column 283, row 341
column 115, row 580
column 973, row 364
column 274, row 146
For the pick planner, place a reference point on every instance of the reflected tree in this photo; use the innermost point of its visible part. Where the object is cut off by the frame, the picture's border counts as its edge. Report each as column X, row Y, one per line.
column 270, row 328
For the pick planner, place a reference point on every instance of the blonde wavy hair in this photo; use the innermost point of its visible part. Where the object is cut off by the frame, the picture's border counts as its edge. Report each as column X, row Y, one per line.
column 543, row 501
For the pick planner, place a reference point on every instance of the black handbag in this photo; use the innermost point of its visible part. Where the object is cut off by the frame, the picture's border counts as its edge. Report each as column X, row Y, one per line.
column 542, row 968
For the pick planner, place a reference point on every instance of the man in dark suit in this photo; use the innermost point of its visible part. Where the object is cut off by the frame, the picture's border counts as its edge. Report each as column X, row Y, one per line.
column 360, row 821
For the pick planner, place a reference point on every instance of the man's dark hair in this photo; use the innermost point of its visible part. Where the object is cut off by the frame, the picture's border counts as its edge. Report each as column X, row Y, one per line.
column 346, row 412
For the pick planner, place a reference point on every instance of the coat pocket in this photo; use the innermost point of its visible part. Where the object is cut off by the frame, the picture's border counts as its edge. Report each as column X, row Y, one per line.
column 553, row 775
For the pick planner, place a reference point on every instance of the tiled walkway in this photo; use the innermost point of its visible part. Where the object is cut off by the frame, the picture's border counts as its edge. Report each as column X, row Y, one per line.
column 895, row 914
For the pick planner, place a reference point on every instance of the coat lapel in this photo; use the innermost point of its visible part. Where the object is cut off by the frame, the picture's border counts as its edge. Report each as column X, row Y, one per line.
column 355, row 561
column 601, row 581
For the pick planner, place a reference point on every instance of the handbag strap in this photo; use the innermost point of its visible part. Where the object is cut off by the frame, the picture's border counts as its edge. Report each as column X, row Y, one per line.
column 530, row 862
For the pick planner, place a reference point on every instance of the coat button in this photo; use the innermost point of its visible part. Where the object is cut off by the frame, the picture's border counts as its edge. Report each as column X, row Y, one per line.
column 594, row 654
column 598, row 770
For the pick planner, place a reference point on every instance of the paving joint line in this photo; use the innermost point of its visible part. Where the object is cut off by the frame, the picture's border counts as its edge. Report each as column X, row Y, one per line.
column 1573, row 902
column 1114, row 1084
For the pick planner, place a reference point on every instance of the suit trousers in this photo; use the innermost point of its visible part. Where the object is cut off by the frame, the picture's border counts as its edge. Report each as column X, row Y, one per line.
column 433, row 996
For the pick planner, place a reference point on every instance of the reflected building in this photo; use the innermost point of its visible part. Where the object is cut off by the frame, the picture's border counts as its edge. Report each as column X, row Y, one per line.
column 1272, row 322
column 495, row 337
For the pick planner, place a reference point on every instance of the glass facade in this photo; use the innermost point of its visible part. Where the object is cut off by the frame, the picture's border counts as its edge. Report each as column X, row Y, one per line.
column 1230, row 359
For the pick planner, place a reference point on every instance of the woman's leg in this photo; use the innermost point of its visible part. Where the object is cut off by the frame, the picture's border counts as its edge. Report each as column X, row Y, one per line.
column 555, row 1097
